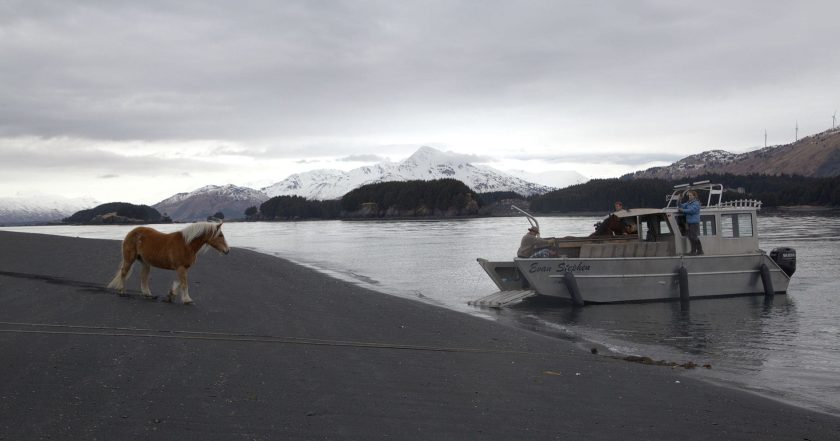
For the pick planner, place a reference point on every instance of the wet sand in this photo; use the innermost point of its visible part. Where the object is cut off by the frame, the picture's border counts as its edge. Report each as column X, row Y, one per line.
column 273, row 350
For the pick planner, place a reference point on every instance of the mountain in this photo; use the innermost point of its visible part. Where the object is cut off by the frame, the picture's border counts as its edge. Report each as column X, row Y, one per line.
column 198, row 204
column 425, row 164
column 813, row 156
column 39, row 209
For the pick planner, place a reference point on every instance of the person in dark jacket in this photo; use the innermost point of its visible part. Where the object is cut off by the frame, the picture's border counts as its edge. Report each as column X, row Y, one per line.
column 691, row 209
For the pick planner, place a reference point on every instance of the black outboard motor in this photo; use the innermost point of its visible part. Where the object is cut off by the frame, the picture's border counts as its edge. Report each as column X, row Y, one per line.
column 785, row 257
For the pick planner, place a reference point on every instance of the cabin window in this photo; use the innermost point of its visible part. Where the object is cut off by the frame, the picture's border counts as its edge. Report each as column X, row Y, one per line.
column 654, row 227
column 736, row 225
column 707, row 225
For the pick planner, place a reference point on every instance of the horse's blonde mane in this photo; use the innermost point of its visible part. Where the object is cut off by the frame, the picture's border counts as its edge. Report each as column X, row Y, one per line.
column 198, row 229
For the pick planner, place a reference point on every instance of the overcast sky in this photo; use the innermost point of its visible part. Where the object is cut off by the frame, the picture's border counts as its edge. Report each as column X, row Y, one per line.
column 136, row 101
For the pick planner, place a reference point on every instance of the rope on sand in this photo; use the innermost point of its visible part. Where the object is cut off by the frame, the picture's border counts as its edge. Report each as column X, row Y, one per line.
column 105, row 331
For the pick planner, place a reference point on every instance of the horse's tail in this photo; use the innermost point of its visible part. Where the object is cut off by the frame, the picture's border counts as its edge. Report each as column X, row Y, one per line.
column 118, row 282
column 129, row 255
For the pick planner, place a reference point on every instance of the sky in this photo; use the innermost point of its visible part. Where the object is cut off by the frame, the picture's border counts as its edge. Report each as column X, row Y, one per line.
column 136, row 101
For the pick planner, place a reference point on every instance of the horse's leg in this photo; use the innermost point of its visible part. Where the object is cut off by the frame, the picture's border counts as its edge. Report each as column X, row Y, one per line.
column 182, row 282
column 172, row 292
column 144, row 280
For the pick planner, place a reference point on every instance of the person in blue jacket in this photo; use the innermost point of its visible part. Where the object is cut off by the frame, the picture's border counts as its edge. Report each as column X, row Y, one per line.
column 692, row 218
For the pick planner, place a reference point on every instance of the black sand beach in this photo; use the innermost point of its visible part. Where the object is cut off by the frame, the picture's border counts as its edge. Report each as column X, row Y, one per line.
column 271, row 350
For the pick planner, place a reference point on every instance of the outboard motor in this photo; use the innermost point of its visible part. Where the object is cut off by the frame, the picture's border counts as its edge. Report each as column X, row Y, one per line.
column 785, row 257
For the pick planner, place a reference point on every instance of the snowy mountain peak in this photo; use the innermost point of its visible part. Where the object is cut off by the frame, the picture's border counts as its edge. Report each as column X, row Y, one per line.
column 426, row 163
column 428, row 155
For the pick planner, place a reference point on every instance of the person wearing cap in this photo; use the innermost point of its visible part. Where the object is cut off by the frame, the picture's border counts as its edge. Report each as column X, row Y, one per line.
column 533, row 245
column 691, row 209
column 619, row 206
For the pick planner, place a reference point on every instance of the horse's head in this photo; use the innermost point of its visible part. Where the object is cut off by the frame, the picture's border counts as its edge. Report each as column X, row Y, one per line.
column 217, row 240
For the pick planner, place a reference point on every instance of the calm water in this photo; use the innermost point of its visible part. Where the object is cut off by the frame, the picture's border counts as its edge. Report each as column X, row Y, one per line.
column 789, row 350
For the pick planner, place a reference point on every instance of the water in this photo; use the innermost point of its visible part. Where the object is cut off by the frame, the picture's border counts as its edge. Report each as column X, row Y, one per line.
column 788, row 350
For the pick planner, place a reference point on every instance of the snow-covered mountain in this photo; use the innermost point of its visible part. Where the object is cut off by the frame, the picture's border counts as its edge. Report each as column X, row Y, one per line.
column 425, row 164
column 38, row 209
column 231, row 200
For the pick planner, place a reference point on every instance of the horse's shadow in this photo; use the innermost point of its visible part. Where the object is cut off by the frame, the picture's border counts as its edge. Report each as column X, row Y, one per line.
column 89, row 287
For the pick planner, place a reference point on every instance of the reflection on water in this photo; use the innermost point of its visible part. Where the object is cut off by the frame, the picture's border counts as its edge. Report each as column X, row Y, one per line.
column 786, row 349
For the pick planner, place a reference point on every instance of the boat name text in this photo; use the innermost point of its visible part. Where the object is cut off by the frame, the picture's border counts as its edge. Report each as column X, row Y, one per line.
column 562, row 267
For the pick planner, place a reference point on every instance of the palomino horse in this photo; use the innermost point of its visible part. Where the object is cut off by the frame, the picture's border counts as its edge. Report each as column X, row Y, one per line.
column 173, row 251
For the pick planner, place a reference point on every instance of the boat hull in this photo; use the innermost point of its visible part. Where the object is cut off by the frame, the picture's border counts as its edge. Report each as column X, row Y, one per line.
column 640, row 279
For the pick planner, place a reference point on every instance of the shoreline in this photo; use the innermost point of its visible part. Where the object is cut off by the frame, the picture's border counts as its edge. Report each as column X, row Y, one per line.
column 325, row 359
column 817, row 209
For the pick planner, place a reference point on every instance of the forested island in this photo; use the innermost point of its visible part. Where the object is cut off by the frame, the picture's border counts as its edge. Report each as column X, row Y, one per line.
column 117, row 213
column 437, row 198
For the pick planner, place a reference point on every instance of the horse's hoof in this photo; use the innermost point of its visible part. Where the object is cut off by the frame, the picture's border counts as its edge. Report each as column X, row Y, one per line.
column 188, row 302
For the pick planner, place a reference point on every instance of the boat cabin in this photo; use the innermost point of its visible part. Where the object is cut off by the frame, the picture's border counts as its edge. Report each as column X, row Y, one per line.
column 726, row 228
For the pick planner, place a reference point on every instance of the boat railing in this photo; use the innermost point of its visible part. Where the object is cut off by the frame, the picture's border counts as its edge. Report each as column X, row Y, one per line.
column 714, row 199
column 741, row 203
column 531, row 219
column 714, row 191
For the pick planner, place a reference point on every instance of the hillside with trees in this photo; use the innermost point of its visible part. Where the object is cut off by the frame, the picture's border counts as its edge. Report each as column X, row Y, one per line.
column 294, row 208
column 598, row 195
column 116, row 213
column 438, row 198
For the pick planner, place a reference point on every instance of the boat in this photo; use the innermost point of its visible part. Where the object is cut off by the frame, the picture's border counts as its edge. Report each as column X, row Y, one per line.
column 650, row 260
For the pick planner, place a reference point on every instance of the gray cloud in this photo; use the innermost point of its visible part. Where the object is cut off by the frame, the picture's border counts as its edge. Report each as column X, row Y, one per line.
column 606, row 157
column 154, row 94
column 55, row 158
column 158, row 70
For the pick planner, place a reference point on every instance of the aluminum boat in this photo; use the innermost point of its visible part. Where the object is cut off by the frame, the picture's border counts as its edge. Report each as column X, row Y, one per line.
column 653, row 262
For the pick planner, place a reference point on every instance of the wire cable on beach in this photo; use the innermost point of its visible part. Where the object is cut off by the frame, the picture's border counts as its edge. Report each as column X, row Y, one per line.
column 106, row 331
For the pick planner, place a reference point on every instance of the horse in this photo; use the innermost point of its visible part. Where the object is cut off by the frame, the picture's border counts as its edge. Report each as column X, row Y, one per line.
column 611, row 226
column 174, row 251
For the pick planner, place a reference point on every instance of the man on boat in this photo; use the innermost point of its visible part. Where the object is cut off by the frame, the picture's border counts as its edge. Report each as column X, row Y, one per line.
column 618, row 206
column 691, row 209
column 533, row 245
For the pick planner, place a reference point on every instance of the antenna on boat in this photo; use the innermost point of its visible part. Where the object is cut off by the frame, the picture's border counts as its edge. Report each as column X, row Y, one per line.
column 531, row 219
column 765, row 137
